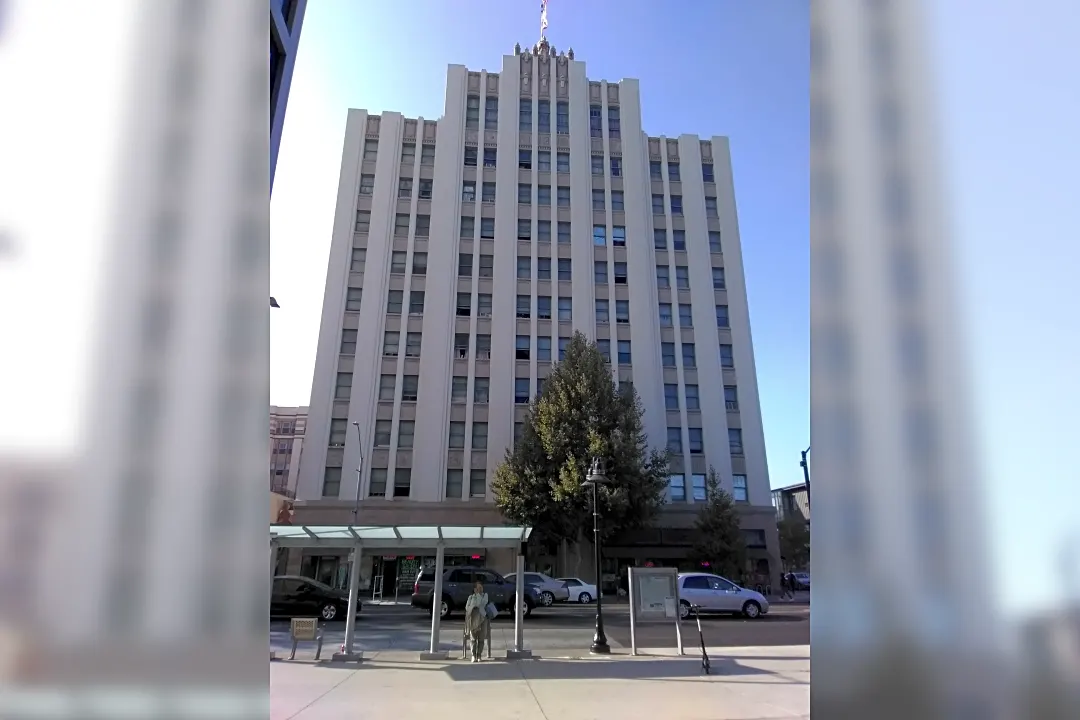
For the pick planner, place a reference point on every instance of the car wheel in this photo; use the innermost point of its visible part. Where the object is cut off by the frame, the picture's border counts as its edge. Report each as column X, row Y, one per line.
column 526, row 609
column 584, row 598
column 547, row 598
column 751, row 609
column 684, row 609
column 444, row 608
column 328, row 612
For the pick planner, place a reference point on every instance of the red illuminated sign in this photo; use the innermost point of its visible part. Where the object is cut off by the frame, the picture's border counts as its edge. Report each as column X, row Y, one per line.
column 705, row 564
column 410, row 557
column 477, row 557
column 648, row 564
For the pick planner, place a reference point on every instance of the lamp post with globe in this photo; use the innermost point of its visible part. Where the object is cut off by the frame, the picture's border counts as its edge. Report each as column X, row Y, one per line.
column 597, row 477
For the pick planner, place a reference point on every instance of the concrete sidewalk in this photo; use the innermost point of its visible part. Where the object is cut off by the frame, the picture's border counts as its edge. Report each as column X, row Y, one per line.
column 746, row 684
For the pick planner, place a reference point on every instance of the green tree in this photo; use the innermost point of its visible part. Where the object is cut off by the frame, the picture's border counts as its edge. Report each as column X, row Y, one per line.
column 794, row 542
column 580, row 415
column 718, row 538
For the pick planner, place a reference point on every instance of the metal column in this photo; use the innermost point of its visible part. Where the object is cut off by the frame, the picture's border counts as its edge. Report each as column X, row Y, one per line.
column 350, row 618
column 270, row 590
column 434, row 653
column 519, row 652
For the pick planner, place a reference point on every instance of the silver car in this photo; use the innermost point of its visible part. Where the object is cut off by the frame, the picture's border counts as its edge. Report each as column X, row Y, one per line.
column 551, row 590
column 712, row 593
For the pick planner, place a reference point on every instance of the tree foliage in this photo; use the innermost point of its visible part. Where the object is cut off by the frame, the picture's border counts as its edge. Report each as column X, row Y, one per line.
column 580, row 415
column 794, row 542
column 718, row 539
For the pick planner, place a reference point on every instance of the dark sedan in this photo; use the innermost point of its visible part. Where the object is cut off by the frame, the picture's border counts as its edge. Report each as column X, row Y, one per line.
column 296, row 596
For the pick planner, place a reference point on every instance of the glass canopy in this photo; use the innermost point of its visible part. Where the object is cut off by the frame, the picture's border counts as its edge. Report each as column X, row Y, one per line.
column 399, row 536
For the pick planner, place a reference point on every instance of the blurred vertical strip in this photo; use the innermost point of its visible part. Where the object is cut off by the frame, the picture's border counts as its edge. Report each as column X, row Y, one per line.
column 898, row 531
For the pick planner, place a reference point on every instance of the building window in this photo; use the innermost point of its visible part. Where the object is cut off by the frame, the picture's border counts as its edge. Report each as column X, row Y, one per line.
column 408, row 155
column 543, row 351
column 563, row 342
column 616, row 167
column 602, row 311
column 697, row 485
column 562, row 162
column 676, row 204
column 727, row 357
column 491, row 156
column 377, row 483
column 472, row 112
column 622, row 311
column 543, row 231
column 471, row 156
column 665, row 315
column 659, row 236
column 599, row 235
column 464, row 264
column 710, row 207
column 397, row 262
column 678, row 239
column 714, row 242
column 331, row 485
column 682, row 277
column 600, row 272
column 738, row 484
column 387, row 385
column 663, row 278
column 519, row 432
column 671, row 396
column 596, row 121
column 655, row 170
column 564, row 196
column 483, row 305
column 413, row 341
column 564, row 269
column 543, row 161
column 391, row 340
column 406, row 430
column 393, row 302
column 617, row 204
column 562, row 117
column 735, row 441
column 697, row 441
column 457, row 435
column 524, row 159
column 459, row 388
column 676, row 488
column 525, row 115
column 564, row 233
column 722, row 316
column 543, row 306
column 754, row 538
column 620, row 273
column 604, row 346
column 468, row 226
column 598, row 200
column 707, row 173
column 487, row 228
column 382, row 433
column 667, row 354
column 673, row 172
column 692, row 400
column 367, row 184
column 359, row 257
column 618, row 236
column 674, row 440
column 689, row 358
column 404, row 188
column 524, row 267
column 686, row 318
column 479, row 435
column 477, row 483
column 543, row 116
column 339, row 428
column 401, row 224
column 521, row 391
column 371, row 150
column 402, row 482
column 453, row 484
column 597, row 164
column 348, row 342
column 523, row 306
column 491, row 114
column 419, row 262
column 416, row 302
column 718, row 280
column 524, row 229
column 543, row 268
column 623, row 348
column 613, row 121
column 566, row 313
column 521, row 347
column 488, row 192
column 353, row 296
column 409, row 387
column 426, row 187
column 343, row 386
column 731, row 397
column 658, row 204
column 487, row 265
column 427, row 155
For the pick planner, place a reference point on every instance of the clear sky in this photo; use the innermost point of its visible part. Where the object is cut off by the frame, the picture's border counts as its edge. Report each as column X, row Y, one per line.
column 738, row 69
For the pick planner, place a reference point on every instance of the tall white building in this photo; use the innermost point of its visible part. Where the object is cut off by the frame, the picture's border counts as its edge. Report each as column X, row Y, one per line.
column 467, row 250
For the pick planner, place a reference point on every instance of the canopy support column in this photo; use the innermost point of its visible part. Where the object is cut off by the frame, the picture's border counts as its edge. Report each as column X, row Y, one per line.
column 434, row 652
column 347, row 654
column 519, row 652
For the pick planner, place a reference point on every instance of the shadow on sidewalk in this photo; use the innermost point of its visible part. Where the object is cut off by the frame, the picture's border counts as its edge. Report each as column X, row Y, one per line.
column 660, row 669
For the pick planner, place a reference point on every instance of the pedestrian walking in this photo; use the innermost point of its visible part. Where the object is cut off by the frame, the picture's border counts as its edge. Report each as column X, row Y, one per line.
column 476, row 611
column 785, row 589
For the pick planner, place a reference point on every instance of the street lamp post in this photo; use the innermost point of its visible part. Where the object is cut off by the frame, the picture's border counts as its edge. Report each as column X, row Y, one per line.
column 805, row 468
column 359, row 472
column 597, row 476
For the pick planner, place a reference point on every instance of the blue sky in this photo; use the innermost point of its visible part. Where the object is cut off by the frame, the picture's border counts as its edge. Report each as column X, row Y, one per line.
column 730, row 68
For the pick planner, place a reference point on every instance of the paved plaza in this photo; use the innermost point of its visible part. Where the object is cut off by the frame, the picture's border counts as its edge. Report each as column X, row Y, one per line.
column 746, row 684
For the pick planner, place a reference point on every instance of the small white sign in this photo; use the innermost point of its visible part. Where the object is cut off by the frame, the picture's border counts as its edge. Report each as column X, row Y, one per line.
column 669, row 607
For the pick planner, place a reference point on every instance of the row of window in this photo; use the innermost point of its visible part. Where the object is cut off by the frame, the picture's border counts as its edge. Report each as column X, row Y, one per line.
column 677, row 488
column 693, row 401
column 408, row 153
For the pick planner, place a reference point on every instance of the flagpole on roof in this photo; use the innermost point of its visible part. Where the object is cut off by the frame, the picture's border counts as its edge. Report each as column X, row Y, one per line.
column 543, row 20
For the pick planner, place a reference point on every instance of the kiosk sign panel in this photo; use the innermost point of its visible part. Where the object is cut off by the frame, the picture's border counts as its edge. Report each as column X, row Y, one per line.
column 654, row 597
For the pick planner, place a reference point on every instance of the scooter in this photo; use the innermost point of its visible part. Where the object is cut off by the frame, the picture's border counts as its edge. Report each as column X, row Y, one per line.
column 705, row 664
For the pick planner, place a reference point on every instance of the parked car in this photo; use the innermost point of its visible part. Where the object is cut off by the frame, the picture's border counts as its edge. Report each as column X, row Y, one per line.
column 457, row 586
column 714, row 594
column 580, row 591
column 296, row 596
column 802, row 580
column 551, row 590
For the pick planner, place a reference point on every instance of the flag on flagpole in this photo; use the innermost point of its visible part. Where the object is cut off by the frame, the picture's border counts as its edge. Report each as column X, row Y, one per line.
column 543, row 16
